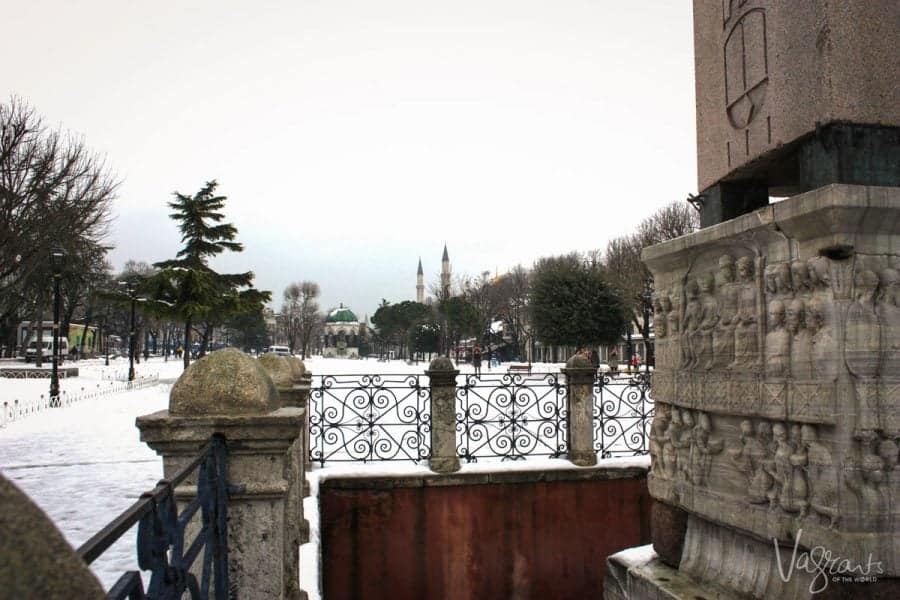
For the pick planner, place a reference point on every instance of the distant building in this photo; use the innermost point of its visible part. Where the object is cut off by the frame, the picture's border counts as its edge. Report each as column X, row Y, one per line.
column 341, row 335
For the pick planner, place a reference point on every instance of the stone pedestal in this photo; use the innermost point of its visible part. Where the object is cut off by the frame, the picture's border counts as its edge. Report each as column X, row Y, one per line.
column 228, row 393
column 777, row 390
column 442, row 374
column 580, row 406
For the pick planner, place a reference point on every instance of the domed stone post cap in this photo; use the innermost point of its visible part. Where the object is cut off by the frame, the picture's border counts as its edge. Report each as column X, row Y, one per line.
column 442, row 375
column 279, row 370
column 35, row 559
column 298, row 369
column 580, row 375
column 224, row 382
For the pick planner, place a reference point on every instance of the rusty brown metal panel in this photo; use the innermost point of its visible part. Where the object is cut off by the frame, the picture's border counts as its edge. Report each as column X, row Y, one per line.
column 510, row 540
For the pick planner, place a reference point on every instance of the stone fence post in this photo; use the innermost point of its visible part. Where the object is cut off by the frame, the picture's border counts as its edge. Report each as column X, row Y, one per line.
column 580, row 376
column 442, row 374
column 230, row 394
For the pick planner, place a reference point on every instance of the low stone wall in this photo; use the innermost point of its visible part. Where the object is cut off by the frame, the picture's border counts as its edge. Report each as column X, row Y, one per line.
column 502, row 534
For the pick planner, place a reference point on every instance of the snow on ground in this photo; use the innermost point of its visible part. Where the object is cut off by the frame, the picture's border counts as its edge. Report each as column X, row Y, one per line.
column 84, row 463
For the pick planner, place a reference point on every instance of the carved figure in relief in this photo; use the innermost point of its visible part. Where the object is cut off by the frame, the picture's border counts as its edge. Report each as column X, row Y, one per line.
column 723, row 334
column 801, row 367
column 778, row 342
column 862, row 334
column 819, row 271
column 888, row 309
column 865, row 478
column 821, row 475
column 709, row 315
column 683, row 445
column 784, row 491
column 659, row 325
column 658, row 438
column 799, row 493
column 690, row 326
column 746, row 337
column 659, row 330
column 800, row 278
column 753, row 458
column 781, row 274
column 769, row 279
column 823, row 346
column 703, row 449
column 673, row 329
column 669, row 450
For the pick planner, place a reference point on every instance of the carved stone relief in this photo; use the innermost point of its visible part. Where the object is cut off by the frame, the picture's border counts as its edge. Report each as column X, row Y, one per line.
column 746, row 340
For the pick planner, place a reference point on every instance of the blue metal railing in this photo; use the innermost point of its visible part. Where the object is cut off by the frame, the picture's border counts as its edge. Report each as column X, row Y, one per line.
column 161, row 545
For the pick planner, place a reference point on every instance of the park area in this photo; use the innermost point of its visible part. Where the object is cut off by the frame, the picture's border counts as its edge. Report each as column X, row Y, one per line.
column 83, row 463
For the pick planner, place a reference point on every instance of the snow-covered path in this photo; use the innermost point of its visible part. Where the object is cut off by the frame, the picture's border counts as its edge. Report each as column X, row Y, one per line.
column 83, row 464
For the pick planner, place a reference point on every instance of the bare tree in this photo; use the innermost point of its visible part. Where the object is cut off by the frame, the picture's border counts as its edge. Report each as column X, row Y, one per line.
column 623, row 259
column 53, row 193
column 515, row 287
column 301, row 315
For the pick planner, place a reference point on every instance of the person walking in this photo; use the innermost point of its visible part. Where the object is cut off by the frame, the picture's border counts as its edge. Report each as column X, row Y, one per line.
column 614, row 362
column 476, row 360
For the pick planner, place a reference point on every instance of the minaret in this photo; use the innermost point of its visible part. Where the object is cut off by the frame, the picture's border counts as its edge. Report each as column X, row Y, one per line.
column 445, row 274
column 420, row 284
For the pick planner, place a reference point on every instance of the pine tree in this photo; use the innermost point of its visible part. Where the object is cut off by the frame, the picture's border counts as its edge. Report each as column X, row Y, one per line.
column 192, row 289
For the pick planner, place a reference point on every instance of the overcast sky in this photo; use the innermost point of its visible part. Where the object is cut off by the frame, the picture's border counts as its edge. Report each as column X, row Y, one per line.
column 353, row 136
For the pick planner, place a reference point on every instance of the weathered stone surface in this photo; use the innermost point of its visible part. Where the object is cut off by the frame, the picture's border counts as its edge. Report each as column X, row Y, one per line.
column 279, row 368
column 442, row 375
column 776, row 416
column 580, row 406
column 225, row 382
column 769, row 72
column 35, row 559
column 298, row 368
column 668, row 526
column 265, row 508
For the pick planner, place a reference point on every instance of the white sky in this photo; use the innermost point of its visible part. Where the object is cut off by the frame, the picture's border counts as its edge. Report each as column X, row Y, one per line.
column 353, row 136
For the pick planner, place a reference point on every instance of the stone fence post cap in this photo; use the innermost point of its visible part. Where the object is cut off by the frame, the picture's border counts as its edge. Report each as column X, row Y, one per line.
column 35, row 559
column 279, row 369
column 224, row 382
column 579, row 362
column 298, row 369
column 442, row 363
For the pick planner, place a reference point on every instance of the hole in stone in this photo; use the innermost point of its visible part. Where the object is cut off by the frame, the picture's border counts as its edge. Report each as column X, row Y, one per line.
column 663, row 579
column 837, row 252
column 699, row 598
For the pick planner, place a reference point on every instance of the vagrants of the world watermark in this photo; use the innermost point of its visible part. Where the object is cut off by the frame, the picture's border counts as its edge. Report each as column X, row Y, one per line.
column 825, row 567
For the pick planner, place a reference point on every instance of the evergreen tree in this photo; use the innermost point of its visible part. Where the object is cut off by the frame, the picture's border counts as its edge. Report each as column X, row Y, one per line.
column 194, row 291
column 573, row 304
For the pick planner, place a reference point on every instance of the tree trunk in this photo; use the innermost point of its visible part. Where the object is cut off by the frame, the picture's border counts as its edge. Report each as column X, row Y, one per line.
column 187, row 343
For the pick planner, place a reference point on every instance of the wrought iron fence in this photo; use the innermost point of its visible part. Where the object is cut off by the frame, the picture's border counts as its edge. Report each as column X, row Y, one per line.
column 506, row 416
column 369, row 417
column 511, row 416
column 16, row 409
column 161, row 545
column 623, row 413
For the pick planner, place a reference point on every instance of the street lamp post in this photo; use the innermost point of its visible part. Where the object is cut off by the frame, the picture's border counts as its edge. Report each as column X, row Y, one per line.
column 129, row 289
column 57, row 260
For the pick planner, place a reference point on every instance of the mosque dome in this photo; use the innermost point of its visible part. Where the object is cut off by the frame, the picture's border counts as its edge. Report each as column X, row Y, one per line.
column 342, row 314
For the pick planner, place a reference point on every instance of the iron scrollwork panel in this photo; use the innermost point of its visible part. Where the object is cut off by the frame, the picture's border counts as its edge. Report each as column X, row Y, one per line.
column 623, row 414
column 369, row 417
column 511, row 416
